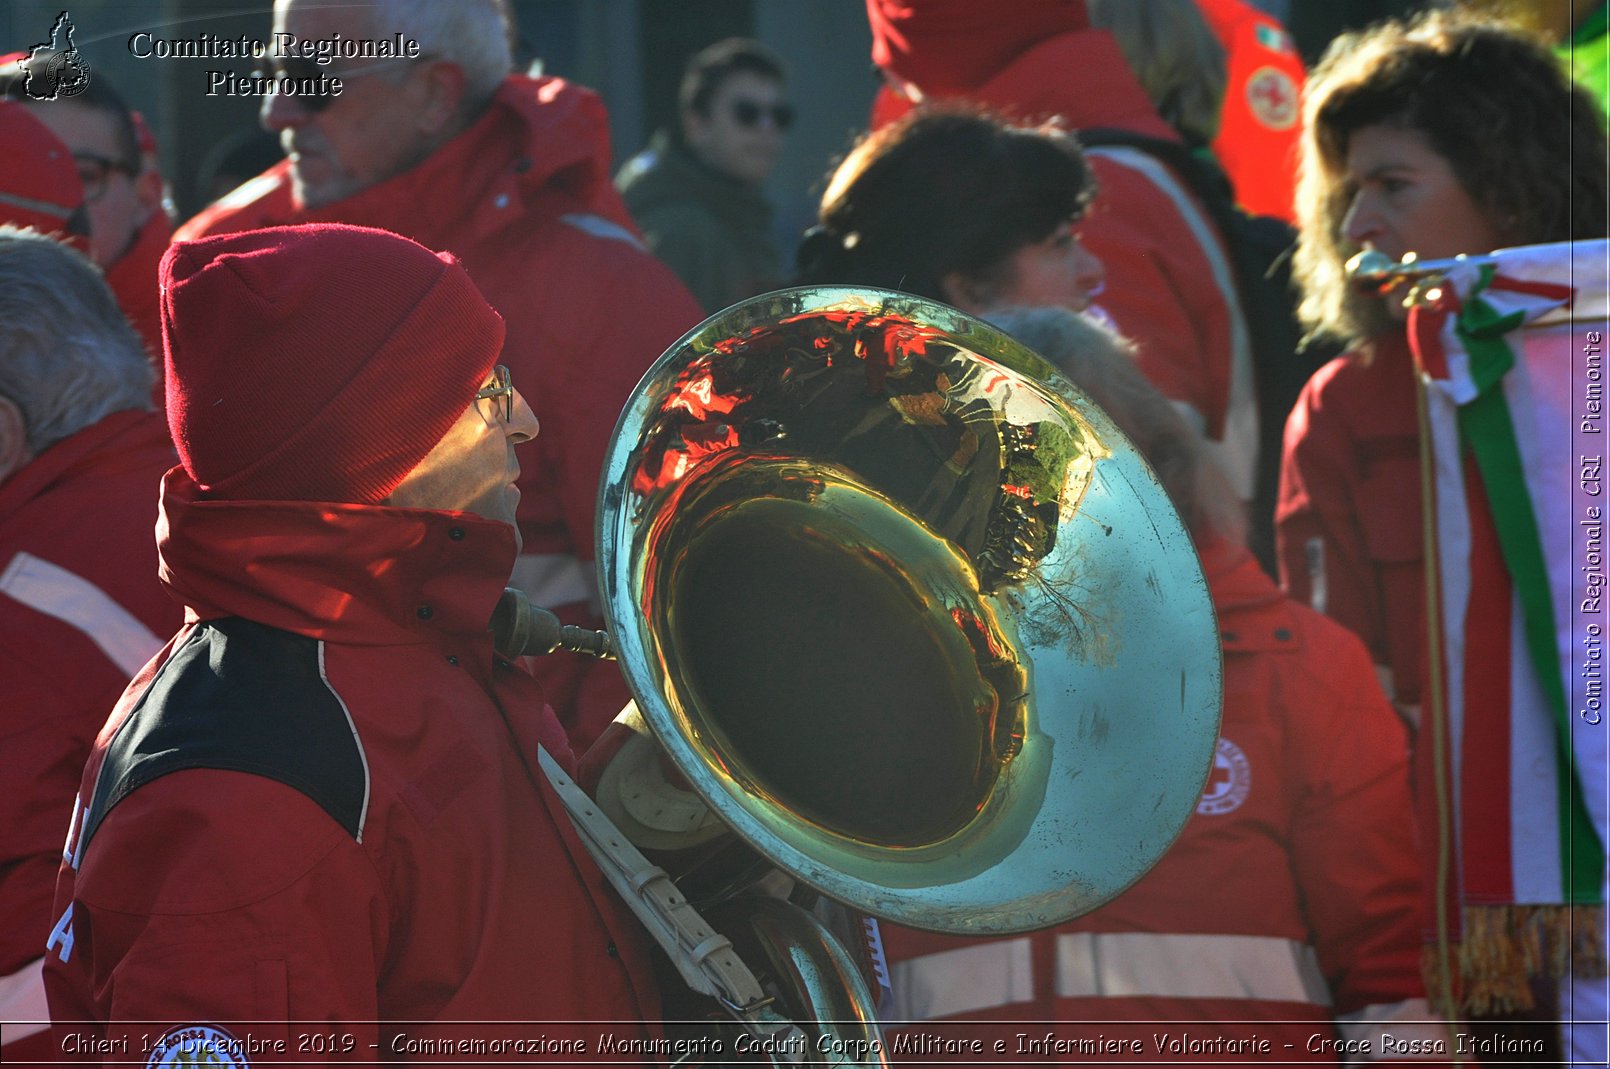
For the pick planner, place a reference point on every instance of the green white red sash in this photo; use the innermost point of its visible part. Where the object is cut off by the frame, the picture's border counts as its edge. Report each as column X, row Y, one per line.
column 1510, row 352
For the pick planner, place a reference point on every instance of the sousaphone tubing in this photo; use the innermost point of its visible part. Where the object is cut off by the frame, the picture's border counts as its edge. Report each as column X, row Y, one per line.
column 906, row 610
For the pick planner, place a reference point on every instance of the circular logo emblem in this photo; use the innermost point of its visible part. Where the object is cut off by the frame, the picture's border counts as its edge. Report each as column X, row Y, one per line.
column 1229, row 783
column 198, row 1044
column 67, row 75
column 1273, row 98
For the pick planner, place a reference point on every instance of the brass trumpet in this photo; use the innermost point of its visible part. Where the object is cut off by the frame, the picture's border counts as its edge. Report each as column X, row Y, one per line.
column 1376, row 272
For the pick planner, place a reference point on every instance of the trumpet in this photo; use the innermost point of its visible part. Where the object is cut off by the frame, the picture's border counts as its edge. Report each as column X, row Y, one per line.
column 1376, row 272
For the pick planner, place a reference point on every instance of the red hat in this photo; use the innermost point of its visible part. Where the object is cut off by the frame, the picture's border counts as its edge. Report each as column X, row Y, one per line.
column 952, row 47
column 318, row 362
column 39, row 184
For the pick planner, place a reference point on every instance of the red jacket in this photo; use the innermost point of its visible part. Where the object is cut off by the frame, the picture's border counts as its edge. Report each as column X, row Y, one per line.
column 1169, row 287
column 1347, row 524
column 322, row 804
column 1291, row 899
column 133, row 279
column 1260, row 121
column 80, row 612
column 524, row 198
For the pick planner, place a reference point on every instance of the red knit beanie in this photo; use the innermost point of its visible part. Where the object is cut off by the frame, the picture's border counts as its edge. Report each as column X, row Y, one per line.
column 952, row 47
column 39, row 184
column 317, row 363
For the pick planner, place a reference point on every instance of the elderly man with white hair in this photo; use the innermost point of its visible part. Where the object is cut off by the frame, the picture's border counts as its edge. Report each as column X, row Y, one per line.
column 511, row 174
column 81, row 458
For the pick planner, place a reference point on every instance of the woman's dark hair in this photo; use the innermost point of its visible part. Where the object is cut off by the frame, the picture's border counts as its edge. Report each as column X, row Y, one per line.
column 944, row 189
column 1525, row 143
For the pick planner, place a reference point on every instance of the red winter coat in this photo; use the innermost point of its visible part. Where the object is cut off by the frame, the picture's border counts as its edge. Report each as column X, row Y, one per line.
column 1291, row 900
column 524, row 199
column 80, row 612
column 1169, row 287
column 133, row 280
column 322, row 804
column 1260, row 120
column 1347, row 524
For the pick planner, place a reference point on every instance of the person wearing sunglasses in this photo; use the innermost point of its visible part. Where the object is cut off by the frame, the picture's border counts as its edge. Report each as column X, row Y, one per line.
column 322, row 801
column 696, row 190
column 456, row 150
column 123, row 189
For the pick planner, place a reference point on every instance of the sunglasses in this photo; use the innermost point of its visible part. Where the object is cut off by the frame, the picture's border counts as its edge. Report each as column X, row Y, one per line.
column 94, row 171
column 501, row 390
column 749, row 114
column 310, row 75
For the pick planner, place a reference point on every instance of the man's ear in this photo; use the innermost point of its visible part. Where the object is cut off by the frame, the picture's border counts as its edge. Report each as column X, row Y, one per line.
column 148, row 191
column 14, row 452
column 965, row 292
column 444, row 98
column 694, row 127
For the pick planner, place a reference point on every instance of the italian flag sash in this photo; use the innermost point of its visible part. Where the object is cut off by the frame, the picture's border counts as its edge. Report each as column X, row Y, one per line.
column 1511, row 354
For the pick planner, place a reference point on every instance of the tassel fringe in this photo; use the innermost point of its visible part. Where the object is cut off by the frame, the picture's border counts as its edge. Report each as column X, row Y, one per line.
column 1505, row 947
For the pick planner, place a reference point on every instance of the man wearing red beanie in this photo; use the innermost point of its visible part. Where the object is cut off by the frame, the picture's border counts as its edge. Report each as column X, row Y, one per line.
column 39, row 185
column 1170, row 287
column 511, row 174
column 122, row 187
column 322, row 801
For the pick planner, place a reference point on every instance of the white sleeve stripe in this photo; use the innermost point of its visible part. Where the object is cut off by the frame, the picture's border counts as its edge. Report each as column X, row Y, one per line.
column 1125, row 965
column 1238, row 451
column 1417, row 1032
column 1186, row 966
column 599, row 227
column 53, row 590
column 23, row 1011
column 964, row 980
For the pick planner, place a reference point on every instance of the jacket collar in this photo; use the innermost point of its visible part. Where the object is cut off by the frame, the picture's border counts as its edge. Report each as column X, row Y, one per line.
column 1254, row 616
column 356, row 574
column 64, row 461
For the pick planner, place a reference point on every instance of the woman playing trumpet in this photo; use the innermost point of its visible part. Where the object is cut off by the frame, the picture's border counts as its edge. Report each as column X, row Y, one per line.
column 1437, row 137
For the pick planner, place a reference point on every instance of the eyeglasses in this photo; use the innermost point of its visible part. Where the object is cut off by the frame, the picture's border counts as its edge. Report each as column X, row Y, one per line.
column 502, row 387
column 748, row 113
column 94, row 171
column 314, row 92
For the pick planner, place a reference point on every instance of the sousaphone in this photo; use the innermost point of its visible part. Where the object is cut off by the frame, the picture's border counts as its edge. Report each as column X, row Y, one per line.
column 909, row 614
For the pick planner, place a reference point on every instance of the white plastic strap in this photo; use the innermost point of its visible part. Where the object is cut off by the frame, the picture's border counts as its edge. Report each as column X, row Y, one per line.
column 705, row 958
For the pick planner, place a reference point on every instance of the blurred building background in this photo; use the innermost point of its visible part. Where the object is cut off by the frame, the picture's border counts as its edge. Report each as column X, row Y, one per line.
column 630, row 51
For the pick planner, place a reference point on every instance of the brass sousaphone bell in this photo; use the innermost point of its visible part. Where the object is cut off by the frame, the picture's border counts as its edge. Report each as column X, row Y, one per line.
column 908, row 612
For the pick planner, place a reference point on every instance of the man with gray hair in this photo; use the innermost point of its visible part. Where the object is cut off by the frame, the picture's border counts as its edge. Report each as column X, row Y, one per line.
column 511, row 174
column 81, row 458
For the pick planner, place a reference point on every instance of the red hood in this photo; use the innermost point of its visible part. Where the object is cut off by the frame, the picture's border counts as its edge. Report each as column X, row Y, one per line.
column 1081, row 77
column 541, row 147
column 354, row 574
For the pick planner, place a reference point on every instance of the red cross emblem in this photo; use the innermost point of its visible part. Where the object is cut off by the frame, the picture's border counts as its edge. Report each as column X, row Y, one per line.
column 1272, row 95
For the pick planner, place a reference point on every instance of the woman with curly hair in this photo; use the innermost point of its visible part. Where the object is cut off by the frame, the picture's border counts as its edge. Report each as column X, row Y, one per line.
column 1437, row 136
